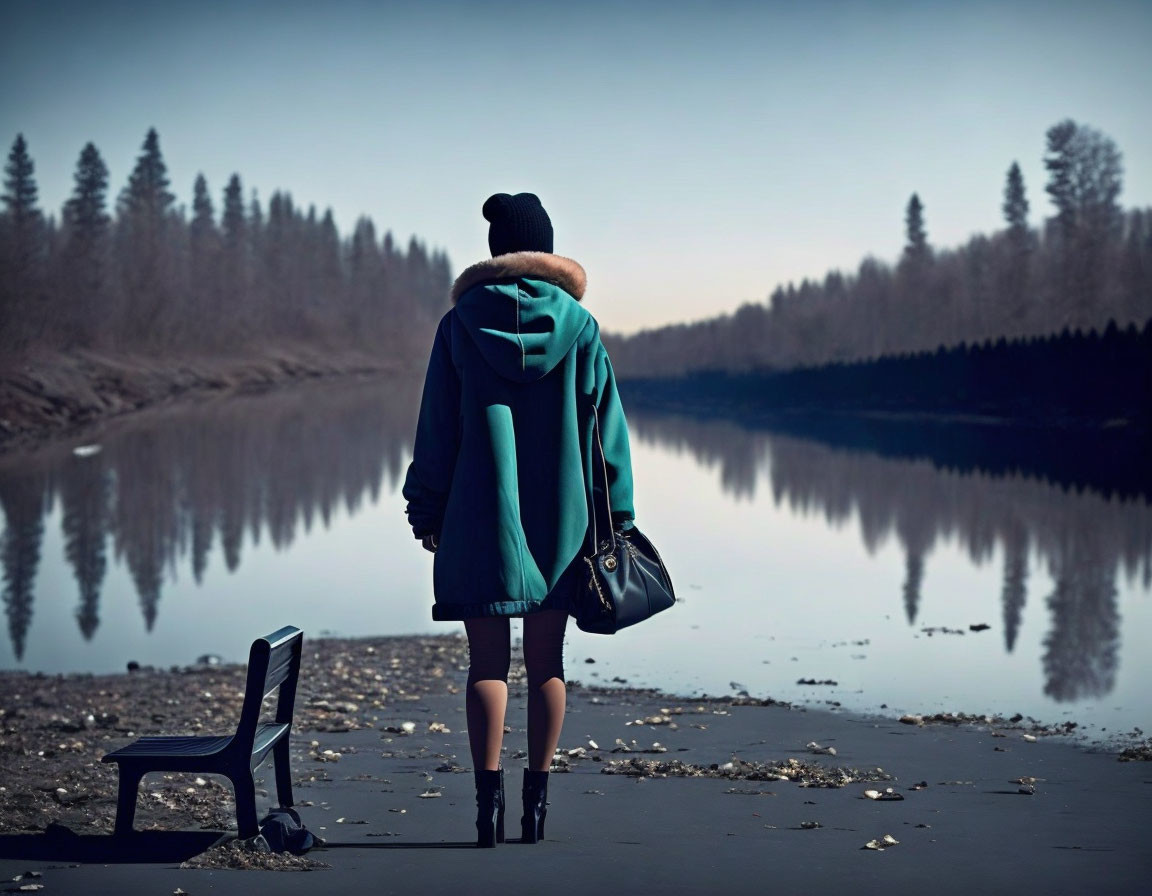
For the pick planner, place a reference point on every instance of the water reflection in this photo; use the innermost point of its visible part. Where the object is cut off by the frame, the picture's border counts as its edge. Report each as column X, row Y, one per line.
column 170, row 489
column 1083, row 537
column 163, row 488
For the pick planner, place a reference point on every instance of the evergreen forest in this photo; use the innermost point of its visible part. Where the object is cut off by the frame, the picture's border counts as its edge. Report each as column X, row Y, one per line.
column 147, row 276
column 1075, row 273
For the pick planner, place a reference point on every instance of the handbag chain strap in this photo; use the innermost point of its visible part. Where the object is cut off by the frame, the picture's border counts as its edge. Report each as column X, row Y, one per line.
column 597, row 444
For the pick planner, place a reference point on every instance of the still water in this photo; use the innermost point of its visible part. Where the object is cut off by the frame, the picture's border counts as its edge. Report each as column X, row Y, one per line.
column 192, row 530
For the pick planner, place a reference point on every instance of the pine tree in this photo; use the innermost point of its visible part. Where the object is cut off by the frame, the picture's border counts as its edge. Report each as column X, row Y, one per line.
column 144, row 208
column 23, row 246
column 146, row 196
column 328, row 275
column 20, row 192
column 233, row 224
column 1013, row 275
column 365, row 296
column 203, row 215
column 86, row 223
column 916, row 249
column 204, row 263
column 1015, row 206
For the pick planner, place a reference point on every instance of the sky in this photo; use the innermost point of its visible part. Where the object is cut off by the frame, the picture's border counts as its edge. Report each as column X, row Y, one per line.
column 692, row 156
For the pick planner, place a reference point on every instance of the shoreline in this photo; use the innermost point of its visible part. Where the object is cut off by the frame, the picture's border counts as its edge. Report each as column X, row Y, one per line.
column 52, row 395
column 648, row 790
column 1076, row 733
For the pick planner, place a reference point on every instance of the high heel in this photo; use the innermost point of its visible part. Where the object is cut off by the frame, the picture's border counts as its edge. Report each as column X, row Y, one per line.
column 535, row 794
column 489, row 807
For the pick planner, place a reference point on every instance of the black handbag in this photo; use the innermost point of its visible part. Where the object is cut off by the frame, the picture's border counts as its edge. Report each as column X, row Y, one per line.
column 625, row 580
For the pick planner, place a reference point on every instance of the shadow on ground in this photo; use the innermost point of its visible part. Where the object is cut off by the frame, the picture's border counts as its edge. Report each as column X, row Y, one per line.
column 61, row 844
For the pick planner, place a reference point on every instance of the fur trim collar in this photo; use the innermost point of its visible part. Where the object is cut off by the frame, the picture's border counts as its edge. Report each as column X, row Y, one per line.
column 564, row 272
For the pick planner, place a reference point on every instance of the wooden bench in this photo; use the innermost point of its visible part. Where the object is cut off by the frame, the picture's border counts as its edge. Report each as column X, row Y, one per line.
column 273, row 665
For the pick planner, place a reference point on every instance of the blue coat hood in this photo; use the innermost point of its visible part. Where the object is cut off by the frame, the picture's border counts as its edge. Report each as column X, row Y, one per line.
column 522, row 311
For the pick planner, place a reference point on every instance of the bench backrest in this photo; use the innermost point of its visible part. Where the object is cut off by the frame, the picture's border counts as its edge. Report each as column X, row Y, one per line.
column 273, row 665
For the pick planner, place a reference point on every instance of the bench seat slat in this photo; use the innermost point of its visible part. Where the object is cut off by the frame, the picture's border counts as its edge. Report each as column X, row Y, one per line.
column 267, row 735
column 171, row 746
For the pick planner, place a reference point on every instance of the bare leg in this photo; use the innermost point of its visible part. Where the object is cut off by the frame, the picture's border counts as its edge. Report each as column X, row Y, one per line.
column 489, row 649
column 547, row 694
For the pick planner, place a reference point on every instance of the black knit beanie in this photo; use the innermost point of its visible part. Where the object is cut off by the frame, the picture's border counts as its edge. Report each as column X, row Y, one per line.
column 517, row 224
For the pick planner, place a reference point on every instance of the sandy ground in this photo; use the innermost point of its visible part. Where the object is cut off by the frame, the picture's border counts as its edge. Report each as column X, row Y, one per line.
column 650, row 793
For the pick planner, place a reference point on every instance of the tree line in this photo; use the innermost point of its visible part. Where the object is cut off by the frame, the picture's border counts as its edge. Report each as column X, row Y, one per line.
column 151, row 276
column 1085, row 266
column 1083, row 380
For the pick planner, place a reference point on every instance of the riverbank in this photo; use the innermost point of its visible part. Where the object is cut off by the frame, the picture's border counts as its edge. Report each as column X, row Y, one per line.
column 49, row 393
column 652, row 793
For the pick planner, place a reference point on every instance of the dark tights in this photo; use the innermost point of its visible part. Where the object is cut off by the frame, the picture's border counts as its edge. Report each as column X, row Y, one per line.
column 489, row 651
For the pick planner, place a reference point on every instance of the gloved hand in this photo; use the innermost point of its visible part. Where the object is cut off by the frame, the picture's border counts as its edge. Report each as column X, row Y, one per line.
column 430, row 543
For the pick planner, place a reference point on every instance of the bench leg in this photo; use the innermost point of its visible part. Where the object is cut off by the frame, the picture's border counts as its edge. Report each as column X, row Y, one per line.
column 126, row 799
column 283, row 773
column 245, row 789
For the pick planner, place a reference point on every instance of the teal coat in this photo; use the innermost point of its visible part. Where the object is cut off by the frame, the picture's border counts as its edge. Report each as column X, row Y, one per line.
column 503, row 445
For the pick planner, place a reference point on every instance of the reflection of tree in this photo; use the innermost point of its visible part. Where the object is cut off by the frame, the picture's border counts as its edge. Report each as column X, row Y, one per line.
column 913, row 579
column 174, row 483
column 22, row 498
column 737, row 451
column 915, row 529
column 1080, row 650
column 1083, row 536
column 84, row 493
column 1015, row 582
column 145, row 515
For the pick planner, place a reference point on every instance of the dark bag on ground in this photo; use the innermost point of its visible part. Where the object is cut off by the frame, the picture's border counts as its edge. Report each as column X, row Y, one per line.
column 283, row 830
column 625, row 580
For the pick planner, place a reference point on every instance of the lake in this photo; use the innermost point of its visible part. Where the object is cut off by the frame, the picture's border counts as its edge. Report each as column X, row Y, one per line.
column 798, row 555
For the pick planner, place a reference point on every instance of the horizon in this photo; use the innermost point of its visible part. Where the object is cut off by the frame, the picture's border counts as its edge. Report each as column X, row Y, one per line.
column 421, row 135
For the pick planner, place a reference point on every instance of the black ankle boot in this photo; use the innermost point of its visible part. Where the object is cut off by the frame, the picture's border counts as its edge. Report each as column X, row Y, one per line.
column 535, row 806
column 489, row 807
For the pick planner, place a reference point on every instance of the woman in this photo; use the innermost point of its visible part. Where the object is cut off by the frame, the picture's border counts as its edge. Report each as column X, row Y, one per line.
column 496, row 487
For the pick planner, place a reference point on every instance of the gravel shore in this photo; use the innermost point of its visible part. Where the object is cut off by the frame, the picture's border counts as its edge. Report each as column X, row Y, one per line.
column 650, row 792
